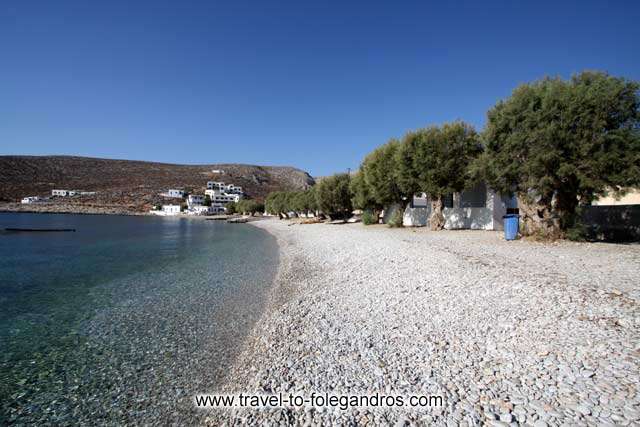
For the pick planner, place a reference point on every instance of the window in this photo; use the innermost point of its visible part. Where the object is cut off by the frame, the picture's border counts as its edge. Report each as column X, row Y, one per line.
column 447, row 200
column 475, row 197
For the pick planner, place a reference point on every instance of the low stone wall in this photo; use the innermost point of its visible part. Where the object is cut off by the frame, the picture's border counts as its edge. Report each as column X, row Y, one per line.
column 619, row 223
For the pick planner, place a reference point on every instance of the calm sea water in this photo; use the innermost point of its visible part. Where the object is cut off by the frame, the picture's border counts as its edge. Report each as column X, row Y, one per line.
column 125, row 319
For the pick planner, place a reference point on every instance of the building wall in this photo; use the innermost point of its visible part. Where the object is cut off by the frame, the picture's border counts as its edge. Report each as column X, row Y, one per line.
column 631, row 198
column 171, row 209
column 464, row 212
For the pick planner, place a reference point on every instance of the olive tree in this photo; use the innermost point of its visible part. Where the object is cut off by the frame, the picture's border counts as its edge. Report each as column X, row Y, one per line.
column 436, row 161
column 380, row 184
column 333, row 196
column 560, row 144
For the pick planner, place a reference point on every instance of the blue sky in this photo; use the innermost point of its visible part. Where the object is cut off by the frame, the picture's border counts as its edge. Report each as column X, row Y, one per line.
column 315, row 85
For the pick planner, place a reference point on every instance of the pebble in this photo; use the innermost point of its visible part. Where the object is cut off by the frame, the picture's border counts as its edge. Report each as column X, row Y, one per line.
column 506, row 332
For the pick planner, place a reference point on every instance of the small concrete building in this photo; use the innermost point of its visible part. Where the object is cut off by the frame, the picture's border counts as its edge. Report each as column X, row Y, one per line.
column 176, row 194
column 60, row 193
column 171, row 209
column 219, row 197
column 215, row 185
column 200, row 210
column 478, row 208
column 30, row 199
column 233, row 189
column 195, row 200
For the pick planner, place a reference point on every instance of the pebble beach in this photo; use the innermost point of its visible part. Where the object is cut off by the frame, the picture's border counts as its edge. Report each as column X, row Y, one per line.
column 521, row 332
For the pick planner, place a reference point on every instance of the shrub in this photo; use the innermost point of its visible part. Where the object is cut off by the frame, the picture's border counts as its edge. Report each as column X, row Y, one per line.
column 369, row 218
column 396, row 218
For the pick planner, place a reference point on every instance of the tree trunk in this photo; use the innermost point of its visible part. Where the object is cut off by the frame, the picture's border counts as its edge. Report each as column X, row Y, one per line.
column 538, row 218
column 436, row 220
column 376, row 216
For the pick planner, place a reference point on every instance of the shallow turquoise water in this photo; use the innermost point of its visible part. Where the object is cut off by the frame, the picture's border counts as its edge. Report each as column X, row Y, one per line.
column 138, row 312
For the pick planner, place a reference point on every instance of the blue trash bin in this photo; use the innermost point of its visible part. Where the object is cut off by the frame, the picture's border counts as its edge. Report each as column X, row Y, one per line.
column 511, row 226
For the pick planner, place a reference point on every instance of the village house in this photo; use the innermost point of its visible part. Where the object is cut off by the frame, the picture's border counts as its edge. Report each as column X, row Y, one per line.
column 31, row 199
column 219, row 197
column 195, row 200
column 477, row 208
column 233, row 189
column 200, row 210
column 171, row 209
column 173, row 193
column 70, row 193
column 214, row 185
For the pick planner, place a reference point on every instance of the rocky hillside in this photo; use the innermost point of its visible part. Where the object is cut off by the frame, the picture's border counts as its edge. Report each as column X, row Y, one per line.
column 133, row 185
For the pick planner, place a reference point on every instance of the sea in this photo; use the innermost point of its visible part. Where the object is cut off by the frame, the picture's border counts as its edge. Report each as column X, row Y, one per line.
column 123, row 320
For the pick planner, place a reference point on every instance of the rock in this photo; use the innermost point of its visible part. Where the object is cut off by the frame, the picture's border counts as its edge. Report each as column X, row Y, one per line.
column 506, row 418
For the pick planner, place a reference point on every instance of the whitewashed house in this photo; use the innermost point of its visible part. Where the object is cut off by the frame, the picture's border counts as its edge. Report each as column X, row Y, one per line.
column 195, row 200
column 233, row 189
column 70, row 193
column 200, row 210
column 478, row 208
column 171, row 209
column 219, row 197
column 30, row 199
column 173, row 193
column 215, row 185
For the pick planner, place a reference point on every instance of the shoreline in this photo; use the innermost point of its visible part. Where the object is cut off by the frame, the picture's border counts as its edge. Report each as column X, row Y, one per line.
column 125, row 213
column 68, row 209
column 504, row 331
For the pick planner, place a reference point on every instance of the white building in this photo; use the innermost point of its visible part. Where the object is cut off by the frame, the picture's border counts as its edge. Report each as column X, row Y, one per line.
column 69, row 193
column 219, row 197
column 195, row 200
column 478, row 208
column 214, row 185
column 171, row 209
column 233, row 189
column 201, row 210
column 30, row 199
column 177, row 194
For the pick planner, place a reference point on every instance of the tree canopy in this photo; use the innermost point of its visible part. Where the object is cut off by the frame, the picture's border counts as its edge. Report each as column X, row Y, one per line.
column 379, row 170
column 334, row 196
column 559, row 143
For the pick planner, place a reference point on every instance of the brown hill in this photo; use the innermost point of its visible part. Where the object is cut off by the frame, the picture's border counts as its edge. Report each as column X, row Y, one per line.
column 134, row 184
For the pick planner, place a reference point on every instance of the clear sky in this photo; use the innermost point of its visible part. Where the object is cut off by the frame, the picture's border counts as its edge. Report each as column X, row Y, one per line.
column 312, row 84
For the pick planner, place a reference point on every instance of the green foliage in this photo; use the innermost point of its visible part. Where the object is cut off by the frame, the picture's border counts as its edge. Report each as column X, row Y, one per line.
column 441, row 158
column 369, row 218
column 291, row 201
column 408, row 166
column 207, row 200
column 333, row 195
column 561, row 143
column 361, row 197
column 231, row 208
column 380, row 175
column 396, row 218
column 249, row 207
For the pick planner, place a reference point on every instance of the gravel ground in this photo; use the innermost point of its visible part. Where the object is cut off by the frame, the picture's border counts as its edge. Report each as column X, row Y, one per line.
column 506, row 332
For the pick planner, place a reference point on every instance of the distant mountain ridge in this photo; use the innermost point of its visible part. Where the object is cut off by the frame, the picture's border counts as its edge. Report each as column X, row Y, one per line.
column 135, row 183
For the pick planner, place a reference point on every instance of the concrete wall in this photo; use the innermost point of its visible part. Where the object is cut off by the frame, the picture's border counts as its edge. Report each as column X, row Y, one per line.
column 631, row 198
column 460, row 217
